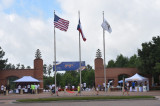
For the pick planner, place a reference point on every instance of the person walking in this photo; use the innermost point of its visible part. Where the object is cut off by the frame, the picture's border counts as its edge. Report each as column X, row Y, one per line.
column 125, row 89
column 57, row 91
column 78, row 88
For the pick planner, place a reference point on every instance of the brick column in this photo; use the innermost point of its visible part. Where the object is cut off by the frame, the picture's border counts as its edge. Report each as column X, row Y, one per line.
column 99, row 72
column 38, row 71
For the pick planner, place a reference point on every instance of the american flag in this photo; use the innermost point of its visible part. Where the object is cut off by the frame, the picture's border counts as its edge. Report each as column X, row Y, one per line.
column 60, row 23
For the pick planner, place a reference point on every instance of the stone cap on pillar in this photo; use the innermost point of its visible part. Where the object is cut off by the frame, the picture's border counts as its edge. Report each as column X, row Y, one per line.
column 98, row 53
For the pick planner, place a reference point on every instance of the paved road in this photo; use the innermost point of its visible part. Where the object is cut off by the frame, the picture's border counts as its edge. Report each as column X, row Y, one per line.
column 93, row 103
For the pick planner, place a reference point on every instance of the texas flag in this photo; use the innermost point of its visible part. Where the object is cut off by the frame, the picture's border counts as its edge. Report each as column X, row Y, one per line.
column 79, row 28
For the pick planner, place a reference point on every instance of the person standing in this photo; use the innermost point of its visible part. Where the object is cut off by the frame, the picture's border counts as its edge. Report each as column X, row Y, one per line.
column 78, row 88
column 19, row 88
column 29, row 88
column 38, row 87
column 84, row 86
column 128, row 86
column 81, row 87
column 2, row 88
column 32, row 89
column 97, row 90
column 133, row 85
column 72, row 87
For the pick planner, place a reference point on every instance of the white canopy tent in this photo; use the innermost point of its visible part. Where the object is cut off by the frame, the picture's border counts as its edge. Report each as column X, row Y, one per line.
column 139, row 79
column 27, row 79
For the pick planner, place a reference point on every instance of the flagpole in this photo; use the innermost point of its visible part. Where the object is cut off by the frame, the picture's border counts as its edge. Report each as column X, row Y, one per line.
column 55, row 54
column 104, row 63
column 80, row 56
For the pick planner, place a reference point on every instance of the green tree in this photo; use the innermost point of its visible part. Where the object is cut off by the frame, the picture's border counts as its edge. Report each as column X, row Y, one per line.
column 150, row 58
column 121, row 61
column 18, row 65
column 88, row 76
column 28, row 67
column 68, row 78
column 111, row 64
column 49, row 68
column 2, row 62
column 8, row 66
column 149, row 55
column 12, row 66
column 22, row 66
column 44, row 69
column 58, row 78
column 47, row 81
column 134, row 61
column 157, row 68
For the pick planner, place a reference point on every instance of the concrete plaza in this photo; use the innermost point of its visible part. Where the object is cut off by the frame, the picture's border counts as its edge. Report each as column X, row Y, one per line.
column 11, row 98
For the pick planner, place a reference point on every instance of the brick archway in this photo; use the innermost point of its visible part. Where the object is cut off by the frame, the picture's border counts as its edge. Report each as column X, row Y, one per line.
column 36, row 72
column 120, row 76
column 111, row 73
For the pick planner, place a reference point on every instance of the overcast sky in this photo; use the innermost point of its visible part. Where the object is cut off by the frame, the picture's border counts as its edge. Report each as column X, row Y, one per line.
column 27, row 25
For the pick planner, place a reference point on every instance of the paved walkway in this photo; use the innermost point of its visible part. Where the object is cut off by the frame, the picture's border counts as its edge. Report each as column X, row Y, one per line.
column 11, row 98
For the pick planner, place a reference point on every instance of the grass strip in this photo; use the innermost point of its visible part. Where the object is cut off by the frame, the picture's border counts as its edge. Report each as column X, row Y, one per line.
column 85, row 98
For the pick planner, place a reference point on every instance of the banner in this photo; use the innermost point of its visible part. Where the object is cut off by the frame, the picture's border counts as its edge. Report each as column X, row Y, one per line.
column 68, row 66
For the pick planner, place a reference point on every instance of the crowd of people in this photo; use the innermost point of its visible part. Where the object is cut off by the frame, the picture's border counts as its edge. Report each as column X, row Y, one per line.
column 33, row 88
column 21, row 88
column 29, row 88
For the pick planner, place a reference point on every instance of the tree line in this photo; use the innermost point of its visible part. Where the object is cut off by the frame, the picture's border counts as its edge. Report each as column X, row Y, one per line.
column 122, row 61
column 147, row 60
column 70, row 78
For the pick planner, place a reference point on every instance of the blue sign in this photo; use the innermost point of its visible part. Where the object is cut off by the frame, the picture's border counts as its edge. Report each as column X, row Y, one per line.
column 68, row 66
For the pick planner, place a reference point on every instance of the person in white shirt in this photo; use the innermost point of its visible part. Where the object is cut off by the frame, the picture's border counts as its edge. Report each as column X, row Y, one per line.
column 36, row 87
column 50, row 87
column 2, row 88
column 81, row 87
column 19, row 88
column 84, row 86
column 73, row 88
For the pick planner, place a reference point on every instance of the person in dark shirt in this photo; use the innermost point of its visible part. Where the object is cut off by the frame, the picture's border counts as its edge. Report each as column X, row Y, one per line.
column 125, row 89
column 133, row 85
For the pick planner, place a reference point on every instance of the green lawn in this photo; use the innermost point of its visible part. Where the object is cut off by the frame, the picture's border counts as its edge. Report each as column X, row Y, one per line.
column 86, row 98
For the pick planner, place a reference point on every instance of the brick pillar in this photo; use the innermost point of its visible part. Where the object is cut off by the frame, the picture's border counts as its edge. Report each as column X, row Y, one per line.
column 38, row 71
column 99, row 72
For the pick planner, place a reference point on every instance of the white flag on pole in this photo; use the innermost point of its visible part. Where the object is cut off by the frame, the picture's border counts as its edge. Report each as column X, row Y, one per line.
column 105, row 25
